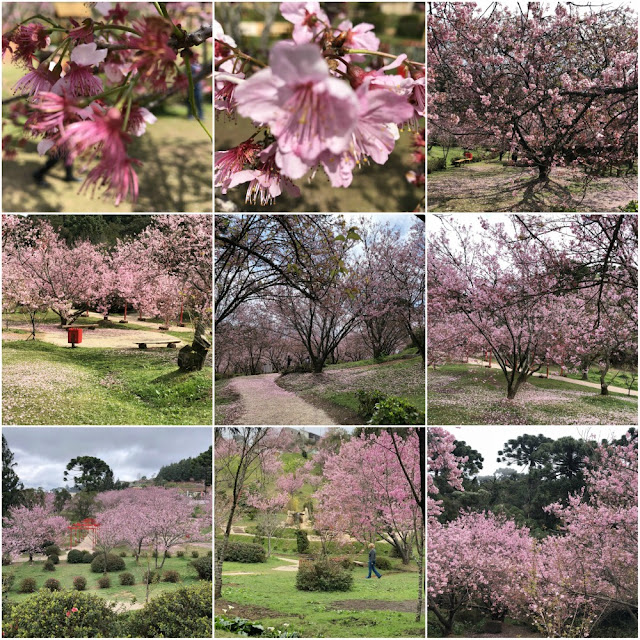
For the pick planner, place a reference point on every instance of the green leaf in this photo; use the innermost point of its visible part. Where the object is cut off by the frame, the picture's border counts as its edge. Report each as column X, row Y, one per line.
column 341, row 237
column 352, row 235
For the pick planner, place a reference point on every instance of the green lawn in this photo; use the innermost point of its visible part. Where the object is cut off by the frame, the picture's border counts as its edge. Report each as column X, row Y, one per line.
column 272, row 599
column 464, row 394
column 66, row 572
column 47, row 384
column 614, row 377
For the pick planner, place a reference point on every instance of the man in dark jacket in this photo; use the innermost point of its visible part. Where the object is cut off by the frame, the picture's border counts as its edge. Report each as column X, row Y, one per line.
column 372, row 561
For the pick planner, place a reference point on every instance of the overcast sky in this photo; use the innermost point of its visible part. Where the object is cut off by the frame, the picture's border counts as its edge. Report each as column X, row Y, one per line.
column 489, row 440
column 42, row 453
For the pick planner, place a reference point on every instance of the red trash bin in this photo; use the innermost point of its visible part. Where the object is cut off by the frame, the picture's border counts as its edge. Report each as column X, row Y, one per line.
column 74, row 336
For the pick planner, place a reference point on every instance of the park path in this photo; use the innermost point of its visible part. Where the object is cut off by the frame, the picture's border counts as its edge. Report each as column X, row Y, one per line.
column 285, row 567
column 582, row 383
column 264, row 402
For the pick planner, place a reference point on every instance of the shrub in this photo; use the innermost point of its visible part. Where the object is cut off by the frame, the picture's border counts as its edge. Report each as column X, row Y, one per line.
column 345, row 562
column 393, row 552
column 43, row 615
column 54, row 558
column 394, row 410
column 210, row 553
column 167, row 554
column 150, row 577
column 104, row 582
column 52, row 584
column 52, row 549
column 180, row 554
column 123, row 554
column 302, row 541
column 79, row 583
column 367, row 402
column 114, row 563
column 195, row 554
column 170, row 576
column 74, row 556
column 383, row 563
column 631, row 207
column 204, row 567
column 154, row 554
column 322, row 575
column 127, row 579
column 435, row 164
column 28, row 585
column 242, row 552
column 164, row 616
column 87, row 557
column 6, row 559
column 7, row 581
column 49, row 566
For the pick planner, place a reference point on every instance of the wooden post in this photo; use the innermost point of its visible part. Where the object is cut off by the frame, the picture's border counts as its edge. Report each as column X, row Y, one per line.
column 547, row 371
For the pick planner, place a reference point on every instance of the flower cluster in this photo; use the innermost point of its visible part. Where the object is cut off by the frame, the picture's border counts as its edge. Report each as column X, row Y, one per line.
column 316, row 107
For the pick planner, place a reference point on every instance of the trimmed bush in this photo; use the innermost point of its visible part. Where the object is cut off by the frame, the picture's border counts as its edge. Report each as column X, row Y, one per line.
column 87, row 557
column 383, row 563
column 170, row 576
column 321, row 575
column 114, row 563
column 204, row 567
column 127, row 579
column 435, row 164
column 54, row 558
column 241, row 552
column 195, row 554
column 79, row 583
column 74, row 556
column 52, row 550
column 394, row 410
column 164, row 616
column 150, row 577
column 43, row 615
column 123, row 554
column 104, row 582
column 210, row 553
column 302, row 541
column 49, row 566
column 28, row 585
column 367, row 402
column 7, row 581
column 52, row 584
column 180, row 554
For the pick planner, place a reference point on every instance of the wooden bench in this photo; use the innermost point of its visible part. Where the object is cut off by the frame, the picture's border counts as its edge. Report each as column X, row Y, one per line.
column 171, row 344
column 461, row 161
column 88, row 327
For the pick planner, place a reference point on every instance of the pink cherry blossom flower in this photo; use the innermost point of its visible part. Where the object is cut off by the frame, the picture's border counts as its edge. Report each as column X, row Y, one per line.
column 36, row 81
column 79, row 79
column 117, row 175
column 223, row 42
column 52, row 112
column 30, row 38
column 265, row 181
column 232, row 161
column 139, row 117
column 81, row 32
column 359, row 37
column 307, row 109
column 74, row 609
column 307, row 17
column 226, row 82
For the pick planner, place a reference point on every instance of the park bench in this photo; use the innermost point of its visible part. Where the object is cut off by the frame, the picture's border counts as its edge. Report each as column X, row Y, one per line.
column 461, row 161
column 88, row 327
column 171, row 344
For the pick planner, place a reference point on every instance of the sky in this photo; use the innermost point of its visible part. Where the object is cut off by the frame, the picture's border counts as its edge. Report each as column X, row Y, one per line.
column 401, row 221
column 490, row 439
column 42, row 453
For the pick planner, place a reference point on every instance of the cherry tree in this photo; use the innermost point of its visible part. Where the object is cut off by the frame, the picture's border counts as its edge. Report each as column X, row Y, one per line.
column 562, row 87
column 270, row 514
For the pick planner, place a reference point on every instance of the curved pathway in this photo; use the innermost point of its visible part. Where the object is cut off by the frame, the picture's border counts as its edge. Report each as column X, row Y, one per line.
column 552, row 376
column 264, row 402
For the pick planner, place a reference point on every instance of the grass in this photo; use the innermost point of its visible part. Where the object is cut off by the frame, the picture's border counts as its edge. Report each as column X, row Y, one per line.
column 66, row 572
column 47, row 384
column 224, row 398
column 463, row 394
column 454, row 152
column 272, row 599
column 335, row 389
column 403, row 355
column 613, row 377
column 175, row 174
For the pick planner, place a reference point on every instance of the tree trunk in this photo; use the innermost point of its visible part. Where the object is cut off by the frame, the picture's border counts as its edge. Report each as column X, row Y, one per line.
column 220, row 551
column 604, row 389
column 543, row 173
column 268, row 546
column 420, row 583
column 585, row 376
column 511, row 391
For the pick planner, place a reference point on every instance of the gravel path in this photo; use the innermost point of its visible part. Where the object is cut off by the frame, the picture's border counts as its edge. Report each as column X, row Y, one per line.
column 582, row 383
column 264, row 402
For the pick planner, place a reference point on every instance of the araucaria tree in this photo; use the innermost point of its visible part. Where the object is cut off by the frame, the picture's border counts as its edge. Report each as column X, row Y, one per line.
column 557, row 89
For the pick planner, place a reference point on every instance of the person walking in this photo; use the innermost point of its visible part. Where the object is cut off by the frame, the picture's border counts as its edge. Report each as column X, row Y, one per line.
column 372, row 561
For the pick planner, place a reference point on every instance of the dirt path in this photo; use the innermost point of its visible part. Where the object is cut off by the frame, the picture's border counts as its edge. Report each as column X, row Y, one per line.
column 582, row 383
column 264, row 402
column 490, row 186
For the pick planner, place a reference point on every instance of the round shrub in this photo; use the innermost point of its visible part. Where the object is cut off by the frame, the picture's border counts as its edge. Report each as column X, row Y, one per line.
column 394, row 410
column 383, row 563
column 210, row 553
column 79, row 583
column 123, row 554
column 52, row 549
column 74, row 556
column 43, row 615
column 170, row 576
column 167, row 554
column 28, row 585
column 164, row 616
column 127, row 579
column 114, row 563
column 104, row 582
column 7, row 581
column 242, row 552
column 54, row 558
column 87, row 557
column 150, row 577
column 195, row 554
column 49, row 566
column 52, row 584
column 204, row 567
column 323, row 576
column 180, row 554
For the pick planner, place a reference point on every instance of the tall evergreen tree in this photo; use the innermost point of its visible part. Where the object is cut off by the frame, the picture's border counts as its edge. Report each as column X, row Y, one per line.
column 11, row 485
